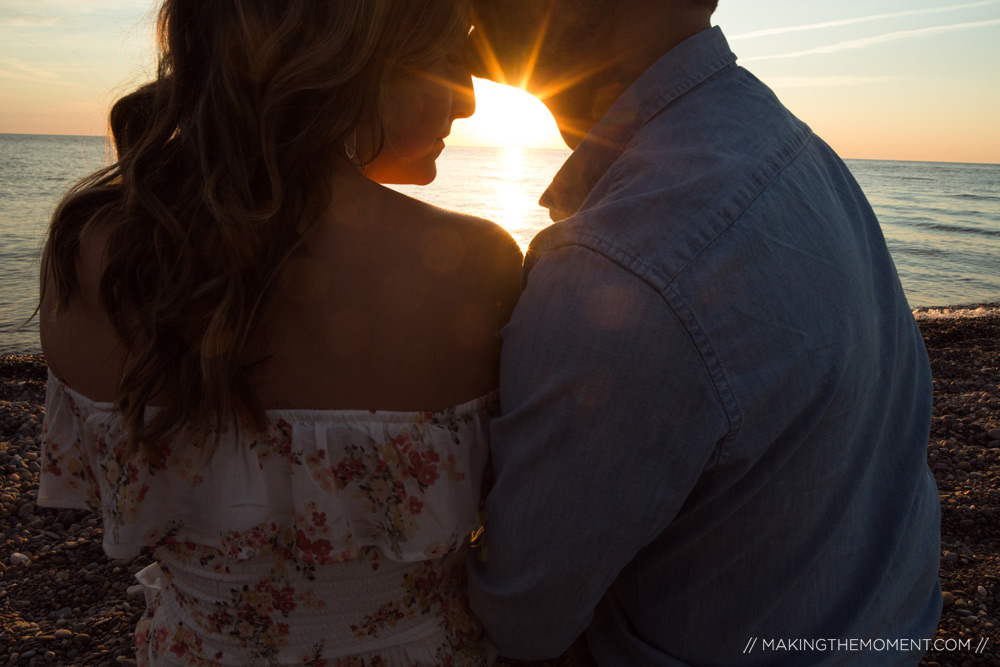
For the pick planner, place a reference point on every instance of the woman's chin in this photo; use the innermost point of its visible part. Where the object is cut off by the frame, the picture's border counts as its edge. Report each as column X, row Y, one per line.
column 413, row 175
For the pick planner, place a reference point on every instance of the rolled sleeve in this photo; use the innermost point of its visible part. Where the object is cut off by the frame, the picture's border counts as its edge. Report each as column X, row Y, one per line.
column 609, row 418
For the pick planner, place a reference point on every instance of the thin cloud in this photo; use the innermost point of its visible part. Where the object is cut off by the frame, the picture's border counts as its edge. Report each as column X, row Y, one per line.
column 824, row 81
column 12, row 68
column 37, row 21
column 880, row 39
column 860, row 19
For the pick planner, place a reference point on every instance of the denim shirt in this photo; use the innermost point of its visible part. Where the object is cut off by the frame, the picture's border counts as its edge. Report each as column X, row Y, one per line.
column 716, row 402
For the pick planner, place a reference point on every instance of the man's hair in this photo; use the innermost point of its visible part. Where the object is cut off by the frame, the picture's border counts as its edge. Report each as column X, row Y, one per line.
column 711, row 4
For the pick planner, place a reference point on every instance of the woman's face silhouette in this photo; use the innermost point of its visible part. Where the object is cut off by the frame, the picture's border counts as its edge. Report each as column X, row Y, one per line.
column 421, row 106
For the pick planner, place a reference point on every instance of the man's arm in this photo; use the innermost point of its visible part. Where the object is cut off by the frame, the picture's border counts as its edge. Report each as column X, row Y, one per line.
column 609, row 418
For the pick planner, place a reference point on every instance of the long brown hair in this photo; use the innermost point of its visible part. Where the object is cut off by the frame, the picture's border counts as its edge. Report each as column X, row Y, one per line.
column 223, row 164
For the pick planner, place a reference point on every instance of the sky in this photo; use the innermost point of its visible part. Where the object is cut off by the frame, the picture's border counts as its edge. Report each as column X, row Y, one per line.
column 878, row 79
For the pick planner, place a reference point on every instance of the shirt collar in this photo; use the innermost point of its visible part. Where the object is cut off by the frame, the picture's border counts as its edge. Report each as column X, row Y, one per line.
column 681, row 69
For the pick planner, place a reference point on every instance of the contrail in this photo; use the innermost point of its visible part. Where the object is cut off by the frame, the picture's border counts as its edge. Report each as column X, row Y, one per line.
column 879, row 39
column 860, row 19
column 823, row 81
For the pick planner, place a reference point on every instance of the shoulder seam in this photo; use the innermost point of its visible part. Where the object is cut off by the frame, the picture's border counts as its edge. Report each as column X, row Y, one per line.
column 698, row 337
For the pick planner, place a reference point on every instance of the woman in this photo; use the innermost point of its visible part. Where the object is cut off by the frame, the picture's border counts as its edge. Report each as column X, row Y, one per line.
column 269, row 369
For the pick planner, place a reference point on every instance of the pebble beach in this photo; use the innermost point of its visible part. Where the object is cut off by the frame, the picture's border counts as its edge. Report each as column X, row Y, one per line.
column 63, row 602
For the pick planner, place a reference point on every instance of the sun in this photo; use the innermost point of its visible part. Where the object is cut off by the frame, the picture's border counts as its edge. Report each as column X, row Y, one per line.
column 506, row 117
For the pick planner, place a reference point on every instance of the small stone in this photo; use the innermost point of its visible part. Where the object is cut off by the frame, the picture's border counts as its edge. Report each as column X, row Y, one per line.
column 982, row 591
column 30, row 653
column 947, row 599
column 969, row 620
column 18, row 558
column 966, row 523
column 49, row 656
column 82, row 639
column 964, row 465
column 62, row 633
column 993, row 434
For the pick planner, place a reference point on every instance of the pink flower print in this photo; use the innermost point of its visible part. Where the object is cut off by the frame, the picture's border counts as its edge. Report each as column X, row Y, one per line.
column 309, row 600
column 449, row 467
column 415, row 505
column 435, row 550
column 415, row 462
column 73, row 484
column 158, row 458
column 284, row 600
column 219, row 620
column 263, row 456
column 428, row 475
column 347, row 470
column 314, row 551
column 315, row 459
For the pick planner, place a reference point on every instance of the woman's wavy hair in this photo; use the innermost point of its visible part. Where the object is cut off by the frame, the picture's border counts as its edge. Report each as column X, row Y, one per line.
column 224, row 162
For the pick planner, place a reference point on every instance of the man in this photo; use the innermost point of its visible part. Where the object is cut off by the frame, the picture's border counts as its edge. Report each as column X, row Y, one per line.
column 715, row 399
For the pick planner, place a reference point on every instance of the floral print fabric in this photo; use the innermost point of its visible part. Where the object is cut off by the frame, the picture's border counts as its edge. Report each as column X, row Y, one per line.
column 335, row 539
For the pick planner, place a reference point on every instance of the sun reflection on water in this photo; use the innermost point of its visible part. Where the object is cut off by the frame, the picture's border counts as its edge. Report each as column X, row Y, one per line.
column 499, row 184
column 512, row 201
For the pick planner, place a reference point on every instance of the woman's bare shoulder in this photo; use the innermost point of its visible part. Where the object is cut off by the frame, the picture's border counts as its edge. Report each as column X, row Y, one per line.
column 78, row 339
column 480, row 249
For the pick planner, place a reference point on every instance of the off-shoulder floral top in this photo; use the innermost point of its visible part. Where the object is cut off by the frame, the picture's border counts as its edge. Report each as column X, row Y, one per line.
column 337, row 540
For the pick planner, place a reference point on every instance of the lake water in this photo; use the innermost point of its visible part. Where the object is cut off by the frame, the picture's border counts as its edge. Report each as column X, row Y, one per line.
column 941, row 220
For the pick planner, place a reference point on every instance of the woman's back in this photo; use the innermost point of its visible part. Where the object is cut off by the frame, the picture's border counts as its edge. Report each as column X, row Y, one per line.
column 344, row 526
column 391, row 304
column 269, row 369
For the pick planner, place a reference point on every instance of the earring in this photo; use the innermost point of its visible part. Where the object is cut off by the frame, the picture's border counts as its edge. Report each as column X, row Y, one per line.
column 351, row 145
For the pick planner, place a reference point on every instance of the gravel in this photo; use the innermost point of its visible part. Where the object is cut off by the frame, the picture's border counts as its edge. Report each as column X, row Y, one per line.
column 63, row 602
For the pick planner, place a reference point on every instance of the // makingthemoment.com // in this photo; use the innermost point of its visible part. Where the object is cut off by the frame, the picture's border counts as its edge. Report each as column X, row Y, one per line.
column 858, row 645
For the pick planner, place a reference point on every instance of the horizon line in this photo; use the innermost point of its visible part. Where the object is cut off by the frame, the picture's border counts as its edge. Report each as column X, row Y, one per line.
column 530, row 148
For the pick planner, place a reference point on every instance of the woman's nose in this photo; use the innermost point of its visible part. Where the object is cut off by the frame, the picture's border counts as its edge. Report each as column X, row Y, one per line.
column 463, row 102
